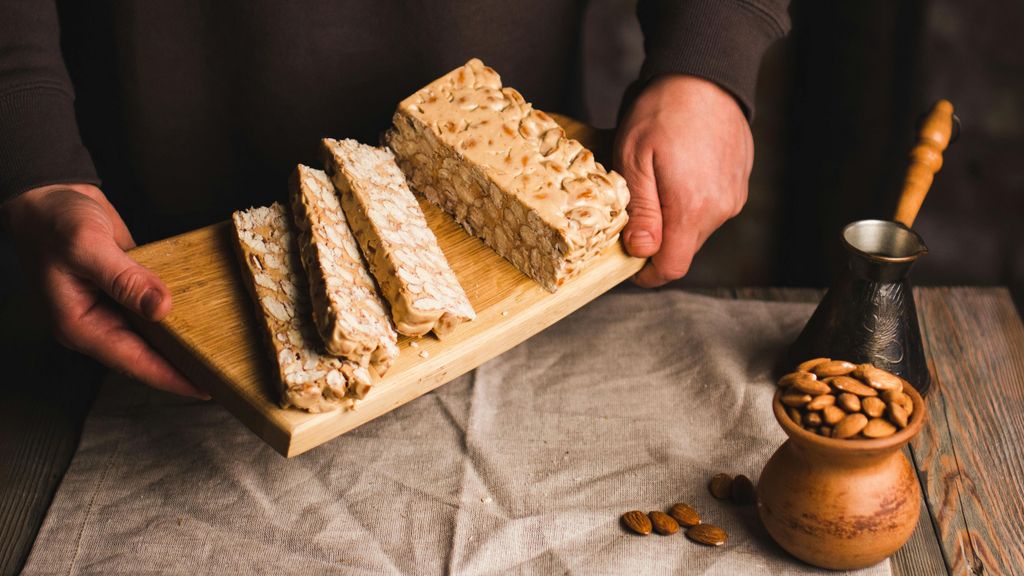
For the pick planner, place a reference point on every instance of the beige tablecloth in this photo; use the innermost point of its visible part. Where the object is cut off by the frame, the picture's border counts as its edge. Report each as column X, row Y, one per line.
column 523, row 466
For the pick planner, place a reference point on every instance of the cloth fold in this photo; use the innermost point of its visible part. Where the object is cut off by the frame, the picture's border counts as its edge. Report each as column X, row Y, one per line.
column 523, row 466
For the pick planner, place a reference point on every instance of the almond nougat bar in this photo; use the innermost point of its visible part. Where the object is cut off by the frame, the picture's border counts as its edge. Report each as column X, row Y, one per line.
column 400, row 248
column 273, row 275
column 347, row 312
column 508, row 173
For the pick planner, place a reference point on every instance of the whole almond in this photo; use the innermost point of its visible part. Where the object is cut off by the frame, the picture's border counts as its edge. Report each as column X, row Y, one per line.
column 819, row 402
column 684, row 515
column 743, row 491
column 848, row 402
column 812, row 419
column 834, row 368
column 832, row 415
column 795, row 399
column 707, row 535
column 852, row 385
column 908, row 405
column 878, row 428
column 808, row 365
column 795, row 415
column 897, row 414
column 898, row 397
column 893, row 396
column 638, row 522
column 825, row 431
column 809, row 386
column 849, row 426
column 877, row 378
column 788, row 380
column 720, row 486
column 663, row 523
column 873, row 407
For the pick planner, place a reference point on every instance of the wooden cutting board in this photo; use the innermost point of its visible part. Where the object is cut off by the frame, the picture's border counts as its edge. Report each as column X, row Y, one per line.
column 212, row 333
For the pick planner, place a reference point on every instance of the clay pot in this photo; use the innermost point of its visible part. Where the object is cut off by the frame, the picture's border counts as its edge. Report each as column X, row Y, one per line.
column 840, row 504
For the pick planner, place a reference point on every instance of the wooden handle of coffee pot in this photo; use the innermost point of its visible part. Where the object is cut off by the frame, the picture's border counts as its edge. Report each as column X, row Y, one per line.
column 925, row 161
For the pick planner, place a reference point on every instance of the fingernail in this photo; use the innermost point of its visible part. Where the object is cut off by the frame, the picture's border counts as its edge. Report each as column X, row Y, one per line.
column 639, row 239
column 151, row 300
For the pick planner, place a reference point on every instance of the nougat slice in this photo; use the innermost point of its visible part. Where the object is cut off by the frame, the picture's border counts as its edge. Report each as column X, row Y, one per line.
column 508, row 173
column 270, row 266
column 347, row 311
column 401, row 250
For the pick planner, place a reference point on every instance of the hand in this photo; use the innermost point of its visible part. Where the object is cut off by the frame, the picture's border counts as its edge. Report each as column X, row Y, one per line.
column 686, row 151
column 72, row 243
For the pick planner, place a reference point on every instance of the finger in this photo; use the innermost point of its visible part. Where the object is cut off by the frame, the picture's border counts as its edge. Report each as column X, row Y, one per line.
column 680, row 234
column 104, row 334
column 99, row 258
column 671, row 263
column 643, row 232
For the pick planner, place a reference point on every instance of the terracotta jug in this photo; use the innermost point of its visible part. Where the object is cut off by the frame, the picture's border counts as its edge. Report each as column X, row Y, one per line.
column 840, row 504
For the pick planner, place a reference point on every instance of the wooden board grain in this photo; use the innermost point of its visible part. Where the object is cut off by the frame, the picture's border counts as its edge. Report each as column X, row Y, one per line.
column 211, row 333
column 970, row 454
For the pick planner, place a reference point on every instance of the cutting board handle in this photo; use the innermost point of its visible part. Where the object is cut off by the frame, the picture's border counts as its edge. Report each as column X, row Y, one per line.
column 925, row 161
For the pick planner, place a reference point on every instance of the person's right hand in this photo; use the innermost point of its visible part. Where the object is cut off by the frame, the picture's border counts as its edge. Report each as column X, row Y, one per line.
column 72, row 244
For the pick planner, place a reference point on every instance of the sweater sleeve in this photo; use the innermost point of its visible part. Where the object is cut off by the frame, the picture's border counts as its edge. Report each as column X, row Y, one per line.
column 39, row 139
column 718, row 40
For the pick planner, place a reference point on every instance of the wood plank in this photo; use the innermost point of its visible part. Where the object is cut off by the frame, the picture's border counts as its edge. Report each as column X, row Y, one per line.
column 211, row 333
column 970, row 455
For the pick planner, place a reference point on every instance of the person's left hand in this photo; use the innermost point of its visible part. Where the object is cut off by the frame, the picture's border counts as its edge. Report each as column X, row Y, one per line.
column 685, row 149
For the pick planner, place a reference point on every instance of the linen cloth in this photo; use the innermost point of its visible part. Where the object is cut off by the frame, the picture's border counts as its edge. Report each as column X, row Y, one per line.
column 522, row 466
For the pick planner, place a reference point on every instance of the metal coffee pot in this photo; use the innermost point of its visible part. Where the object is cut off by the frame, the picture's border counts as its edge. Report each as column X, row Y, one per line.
column 869, row 315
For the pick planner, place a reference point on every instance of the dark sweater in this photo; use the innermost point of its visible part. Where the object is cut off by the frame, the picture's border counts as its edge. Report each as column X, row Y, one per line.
column 188, row 110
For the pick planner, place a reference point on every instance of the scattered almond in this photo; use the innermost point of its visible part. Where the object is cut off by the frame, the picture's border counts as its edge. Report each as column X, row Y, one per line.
column 663, row 523
column 684, row 515
column 638, row 522
column 707, row 535
column 743, row 491
column 720, row 486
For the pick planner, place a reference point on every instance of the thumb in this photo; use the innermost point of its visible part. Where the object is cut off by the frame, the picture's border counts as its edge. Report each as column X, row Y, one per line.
column 642, row 234
column 126, row 281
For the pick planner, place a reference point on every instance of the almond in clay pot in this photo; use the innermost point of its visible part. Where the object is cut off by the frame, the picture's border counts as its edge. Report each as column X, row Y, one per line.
column 845, row 503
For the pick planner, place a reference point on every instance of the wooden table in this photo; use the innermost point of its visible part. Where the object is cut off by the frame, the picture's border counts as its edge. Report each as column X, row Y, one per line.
column 969, row 458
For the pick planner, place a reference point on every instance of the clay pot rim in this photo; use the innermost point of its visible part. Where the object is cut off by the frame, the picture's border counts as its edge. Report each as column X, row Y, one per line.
column 898, row 439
